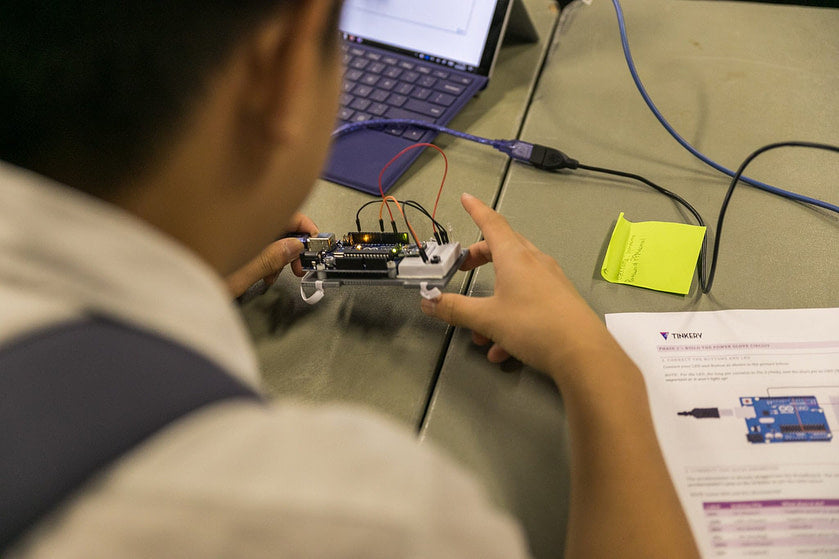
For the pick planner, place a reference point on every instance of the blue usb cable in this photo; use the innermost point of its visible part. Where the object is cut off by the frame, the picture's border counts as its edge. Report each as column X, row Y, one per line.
column 642, row 90
column 544, row 157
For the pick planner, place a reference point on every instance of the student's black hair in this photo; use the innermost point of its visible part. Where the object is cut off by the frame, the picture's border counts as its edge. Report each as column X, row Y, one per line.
column 90, row 90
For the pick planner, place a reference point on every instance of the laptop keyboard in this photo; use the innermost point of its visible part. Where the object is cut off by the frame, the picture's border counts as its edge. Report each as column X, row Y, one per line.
column 378, row 85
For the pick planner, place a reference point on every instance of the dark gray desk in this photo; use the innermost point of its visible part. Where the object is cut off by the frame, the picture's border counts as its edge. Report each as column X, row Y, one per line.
column 375, row 347
column 730, row 77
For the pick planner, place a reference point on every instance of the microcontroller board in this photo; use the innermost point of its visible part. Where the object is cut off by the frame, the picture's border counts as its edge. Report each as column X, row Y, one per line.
column 378, row 258
column 785, row 419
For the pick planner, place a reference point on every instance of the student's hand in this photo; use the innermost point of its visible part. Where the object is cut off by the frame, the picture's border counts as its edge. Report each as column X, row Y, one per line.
column 535, row 314
column 622, row 501
column 269, row 263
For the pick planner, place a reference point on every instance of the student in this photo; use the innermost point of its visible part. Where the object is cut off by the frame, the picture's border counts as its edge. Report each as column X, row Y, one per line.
column 149, row 153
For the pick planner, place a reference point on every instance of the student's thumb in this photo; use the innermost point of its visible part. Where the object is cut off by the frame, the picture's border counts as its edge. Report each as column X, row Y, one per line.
column 265, row 266
column 276, row 256
column 457, row 310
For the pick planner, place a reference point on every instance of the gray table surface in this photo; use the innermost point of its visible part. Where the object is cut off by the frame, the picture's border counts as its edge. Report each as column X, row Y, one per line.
column 374, row 347
column 730, row 77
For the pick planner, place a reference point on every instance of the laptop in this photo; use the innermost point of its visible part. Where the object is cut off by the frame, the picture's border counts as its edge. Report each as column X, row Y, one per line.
column 408, row 60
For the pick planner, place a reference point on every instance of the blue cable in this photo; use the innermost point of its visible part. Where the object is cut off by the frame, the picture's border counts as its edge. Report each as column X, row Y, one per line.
column 685, row 144
column 397, row 122
column 552, row 159
column 515, row 149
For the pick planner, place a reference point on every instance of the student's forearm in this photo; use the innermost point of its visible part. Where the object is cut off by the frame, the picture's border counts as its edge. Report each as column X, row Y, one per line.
column 623, row 503
column 621, row 494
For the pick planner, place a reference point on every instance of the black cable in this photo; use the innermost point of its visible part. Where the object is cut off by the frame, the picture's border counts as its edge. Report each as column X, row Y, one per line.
column 701, row 413
column 706, row 288
column 649, row 183
column 358, row 215
column 409, row 204
column 551, row 159
column 671, row 195
column 444, row 236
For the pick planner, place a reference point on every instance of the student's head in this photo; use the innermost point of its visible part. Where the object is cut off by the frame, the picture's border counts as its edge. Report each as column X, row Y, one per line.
column 104, row 95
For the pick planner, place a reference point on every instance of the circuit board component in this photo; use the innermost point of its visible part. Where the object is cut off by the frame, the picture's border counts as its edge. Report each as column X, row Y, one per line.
column 785, row 419
column 378, row 258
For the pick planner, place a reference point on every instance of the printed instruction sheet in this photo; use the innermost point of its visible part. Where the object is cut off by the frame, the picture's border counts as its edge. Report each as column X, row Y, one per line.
column 746, row 409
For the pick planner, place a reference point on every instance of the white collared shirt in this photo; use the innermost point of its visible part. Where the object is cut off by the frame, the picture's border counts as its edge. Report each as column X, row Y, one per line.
column 233, row 479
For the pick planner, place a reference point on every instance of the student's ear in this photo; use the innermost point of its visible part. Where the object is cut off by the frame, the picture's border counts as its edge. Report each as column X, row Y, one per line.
column 286, row 63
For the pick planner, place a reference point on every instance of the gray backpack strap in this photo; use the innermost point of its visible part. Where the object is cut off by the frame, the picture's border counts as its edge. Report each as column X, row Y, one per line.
column 75, row 397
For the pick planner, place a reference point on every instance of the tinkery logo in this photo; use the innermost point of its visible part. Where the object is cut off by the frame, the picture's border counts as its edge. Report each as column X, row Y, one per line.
column 681, row 335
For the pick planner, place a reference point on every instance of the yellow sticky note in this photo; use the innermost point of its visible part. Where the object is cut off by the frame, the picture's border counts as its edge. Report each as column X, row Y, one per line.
column 653, row 254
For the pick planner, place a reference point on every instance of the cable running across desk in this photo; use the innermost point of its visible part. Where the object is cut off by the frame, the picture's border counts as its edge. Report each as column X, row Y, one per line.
column 706, row 283
column 551, row 159
column 684, row 143
column 509, row 146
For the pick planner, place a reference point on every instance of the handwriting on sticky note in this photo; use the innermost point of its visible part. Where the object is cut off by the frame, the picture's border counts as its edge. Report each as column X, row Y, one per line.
column 628, row 270
column 653, row 254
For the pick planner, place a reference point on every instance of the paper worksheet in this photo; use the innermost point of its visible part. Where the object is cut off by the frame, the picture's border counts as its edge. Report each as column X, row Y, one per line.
column 746, row 405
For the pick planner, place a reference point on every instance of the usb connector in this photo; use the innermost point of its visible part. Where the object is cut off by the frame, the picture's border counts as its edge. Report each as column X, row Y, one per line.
column 541, row 157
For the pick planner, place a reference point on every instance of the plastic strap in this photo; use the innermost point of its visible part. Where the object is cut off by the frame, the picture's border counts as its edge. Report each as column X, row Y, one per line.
column 77, row 396
column 315, row 297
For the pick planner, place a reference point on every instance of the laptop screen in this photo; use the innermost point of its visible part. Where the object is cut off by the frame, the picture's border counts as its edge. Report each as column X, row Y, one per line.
column 463, row 34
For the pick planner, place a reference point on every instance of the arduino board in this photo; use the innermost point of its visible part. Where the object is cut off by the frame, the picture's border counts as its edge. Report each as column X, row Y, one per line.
column 374, row 258
column 785, row 419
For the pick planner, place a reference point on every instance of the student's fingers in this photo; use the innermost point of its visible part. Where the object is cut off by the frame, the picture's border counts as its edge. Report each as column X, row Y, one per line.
column 497, row 354
column 529, row 314
column 276, row 255
column 459, row 310
column 494, row 227
column 296, row 269
column 266, row 265
column 299, row 223
column 479, row 254
column 480, row 339
column 302, row 223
